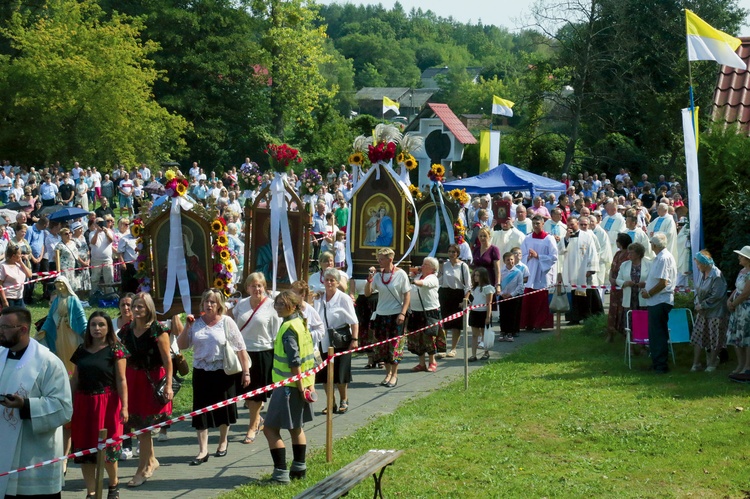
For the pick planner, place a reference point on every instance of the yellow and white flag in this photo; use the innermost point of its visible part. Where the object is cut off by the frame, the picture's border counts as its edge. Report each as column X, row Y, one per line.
column 706, row 43
column 501, row 106
column 390, row 104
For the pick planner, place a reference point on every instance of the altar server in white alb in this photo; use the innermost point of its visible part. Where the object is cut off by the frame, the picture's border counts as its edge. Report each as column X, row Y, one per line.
column 637, row 235
column 540, row 256
column 508, row 237
column 613, row 222
column 581, row 263
column 664, row 223
column 36, row 403
column 557, row 229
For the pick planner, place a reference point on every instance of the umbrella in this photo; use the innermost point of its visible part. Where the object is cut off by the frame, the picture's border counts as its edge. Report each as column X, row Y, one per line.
column 48, row 210
column 17, row 205
column 155, row 188
column 4, row 212
column 68, row 214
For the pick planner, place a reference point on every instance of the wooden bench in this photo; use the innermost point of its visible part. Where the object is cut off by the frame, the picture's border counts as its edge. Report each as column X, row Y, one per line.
column 340, row 483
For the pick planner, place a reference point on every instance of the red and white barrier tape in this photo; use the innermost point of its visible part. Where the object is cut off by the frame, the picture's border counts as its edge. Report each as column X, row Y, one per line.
column 54, row 273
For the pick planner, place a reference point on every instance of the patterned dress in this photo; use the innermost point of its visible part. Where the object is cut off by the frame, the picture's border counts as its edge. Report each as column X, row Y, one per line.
column 68, row 259
column 738, row 331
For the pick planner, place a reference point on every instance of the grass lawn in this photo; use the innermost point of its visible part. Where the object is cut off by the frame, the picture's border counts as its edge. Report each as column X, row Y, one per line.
column 560, row 418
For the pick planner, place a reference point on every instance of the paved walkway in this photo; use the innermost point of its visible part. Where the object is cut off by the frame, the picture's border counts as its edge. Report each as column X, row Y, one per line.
column 176, row 479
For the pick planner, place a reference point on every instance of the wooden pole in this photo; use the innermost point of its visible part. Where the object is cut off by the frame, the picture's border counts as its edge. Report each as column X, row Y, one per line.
column 57, row 260
column 466, row 344
column 558, row 290
column 329, row 405
column 100, row 463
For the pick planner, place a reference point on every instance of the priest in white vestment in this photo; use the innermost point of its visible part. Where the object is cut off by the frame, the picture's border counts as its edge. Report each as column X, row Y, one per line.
column 507, row 238
column 523, row 223
column 613, row 223
column 684, row 255
column 540, row 256
column 557, row 229
column 581, row 263
column 664, row 223
column 40, row 403
column 605, row 253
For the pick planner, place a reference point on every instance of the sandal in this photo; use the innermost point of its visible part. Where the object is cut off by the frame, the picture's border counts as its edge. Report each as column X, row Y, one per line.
column 248, row 439
column 452, row 353
column 418, row 368
column 113, row 492
column 137, row 481
column 325, row 410
column 473, row 358
column 344, row 406
column 370, row 366
column 433, row 367
column 486, row 356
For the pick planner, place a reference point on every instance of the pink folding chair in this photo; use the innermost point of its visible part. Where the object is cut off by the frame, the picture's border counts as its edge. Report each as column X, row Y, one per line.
column 636, row 331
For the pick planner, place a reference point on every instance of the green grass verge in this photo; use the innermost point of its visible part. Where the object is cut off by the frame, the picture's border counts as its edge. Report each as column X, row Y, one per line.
column 560, row 418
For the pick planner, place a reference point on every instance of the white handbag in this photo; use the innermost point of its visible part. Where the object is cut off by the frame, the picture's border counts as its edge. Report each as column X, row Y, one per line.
column 231, row 361
column 489, row 338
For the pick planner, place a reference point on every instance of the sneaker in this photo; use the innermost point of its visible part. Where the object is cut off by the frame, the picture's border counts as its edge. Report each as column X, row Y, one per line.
column 126, row 454
column 451, row 354
column 163, row 437
column 136, row 451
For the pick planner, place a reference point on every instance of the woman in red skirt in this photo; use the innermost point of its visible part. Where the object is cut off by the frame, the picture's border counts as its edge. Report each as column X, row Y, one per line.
column 147, row 341
column 100, row 398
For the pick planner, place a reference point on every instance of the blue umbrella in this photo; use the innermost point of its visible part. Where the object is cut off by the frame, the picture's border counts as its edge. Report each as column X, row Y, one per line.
column 68, row 214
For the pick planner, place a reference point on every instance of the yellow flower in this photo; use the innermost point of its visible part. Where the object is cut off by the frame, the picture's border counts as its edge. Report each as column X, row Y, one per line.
column 181, row 190
column 356, row 159
column 222, row 240
column 455, row 194
column 217, row 226
column 142, row 266
column 227, row 291
column 464, row 197
column 224, row 255
column 230, row 267
column 411, row 163
column 169, row 175
column 135, row 230
column 219, row 283
column 401, row 158
column 438, row 169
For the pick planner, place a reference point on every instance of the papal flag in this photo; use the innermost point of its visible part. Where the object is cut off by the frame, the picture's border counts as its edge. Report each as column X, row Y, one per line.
column 706, row 43
column 501, row 106
column 390, row 104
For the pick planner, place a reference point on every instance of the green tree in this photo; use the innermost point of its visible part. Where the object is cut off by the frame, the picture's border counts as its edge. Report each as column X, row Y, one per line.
column 78, row 86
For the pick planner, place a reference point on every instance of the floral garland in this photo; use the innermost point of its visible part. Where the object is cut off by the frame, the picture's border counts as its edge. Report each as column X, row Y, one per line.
column 407, row 160
column 415, row 192
column 223, row 265
column 459, row 231
column 143, row 265
column 436, row 173
column 281, row 156
column 310, row 181
column 382, row 151
column 250, row 176
column 459, row 196
column 177, row 184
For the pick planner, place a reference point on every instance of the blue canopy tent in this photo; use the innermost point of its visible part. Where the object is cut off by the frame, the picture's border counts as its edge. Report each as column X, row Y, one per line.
column 506, row 178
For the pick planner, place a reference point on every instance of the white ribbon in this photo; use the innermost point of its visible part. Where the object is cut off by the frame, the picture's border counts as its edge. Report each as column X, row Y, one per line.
column 280, row 222
column 176, row 264
column 446, row 218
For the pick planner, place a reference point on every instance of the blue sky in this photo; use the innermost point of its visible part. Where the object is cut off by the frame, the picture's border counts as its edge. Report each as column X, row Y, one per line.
column 507, row 13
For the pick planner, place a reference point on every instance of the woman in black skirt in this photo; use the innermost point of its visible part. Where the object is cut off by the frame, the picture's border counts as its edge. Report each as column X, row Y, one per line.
column 207, row 335
column 336, row 308
column 455, row 286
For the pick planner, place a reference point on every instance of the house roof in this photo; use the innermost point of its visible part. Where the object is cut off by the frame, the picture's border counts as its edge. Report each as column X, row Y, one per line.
column 377, row 93
column 450, row 120
column 731, row 102
column 473, row 71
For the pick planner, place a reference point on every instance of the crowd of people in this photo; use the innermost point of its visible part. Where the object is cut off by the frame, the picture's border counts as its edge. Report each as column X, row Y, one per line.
column 629, row 236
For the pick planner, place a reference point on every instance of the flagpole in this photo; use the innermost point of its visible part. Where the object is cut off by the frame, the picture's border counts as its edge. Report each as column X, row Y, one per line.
column 699, row 215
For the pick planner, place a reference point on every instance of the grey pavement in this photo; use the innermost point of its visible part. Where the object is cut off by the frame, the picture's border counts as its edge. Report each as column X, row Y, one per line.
column 244, row 463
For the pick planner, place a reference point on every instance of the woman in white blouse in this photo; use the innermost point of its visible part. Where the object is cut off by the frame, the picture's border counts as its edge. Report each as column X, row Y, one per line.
column 258, row 323
column 425, row 310
column 207, row 335
column 336, row 308
column 455, row 287
column 316, row 281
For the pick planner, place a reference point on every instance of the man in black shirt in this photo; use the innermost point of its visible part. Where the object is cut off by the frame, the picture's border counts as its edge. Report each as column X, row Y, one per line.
column 66, row 191
column 104, row 209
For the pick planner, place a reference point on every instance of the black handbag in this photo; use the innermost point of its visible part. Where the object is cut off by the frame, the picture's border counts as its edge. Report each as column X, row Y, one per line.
column 432, row 322
column 341, row 336
column 161, row 386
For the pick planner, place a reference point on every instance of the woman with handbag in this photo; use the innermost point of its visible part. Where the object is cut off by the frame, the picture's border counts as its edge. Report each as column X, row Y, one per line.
column 149, row 363
column 455, row 286
column 425, row 313
column 342, row 332
column 217, row 347
column 258, row 324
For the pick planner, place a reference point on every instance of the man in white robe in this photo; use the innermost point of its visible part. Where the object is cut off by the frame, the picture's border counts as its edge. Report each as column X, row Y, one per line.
column 557, row 229
column 540, row 256
column 613, row 223
column 637, row 235
column 581, row 263
column 39, row 405
column 523, row 223
column 508, row 237
column 664, row 223
column 605, row 253
column 684, row 257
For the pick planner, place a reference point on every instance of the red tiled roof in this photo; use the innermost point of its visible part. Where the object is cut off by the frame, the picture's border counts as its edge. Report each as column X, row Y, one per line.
column 450, row 120
column 732, row 94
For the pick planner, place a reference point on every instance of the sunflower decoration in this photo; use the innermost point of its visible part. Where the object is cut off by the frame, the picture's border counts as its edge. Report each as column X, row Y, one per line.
column 219, row 283
column 217, row 226
column 141, row 266
column 401, row 157
column 181, row 189
column 436, row 173
column 409, row 229
column 357, row 158
column 465, row 198
column 136, row 229
column 222, row 240
column 410, row 163
column 410, row 143
column 415, row 192
column 230, row 266
column 177, row 184
column 225, row 255
column 459, row 231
